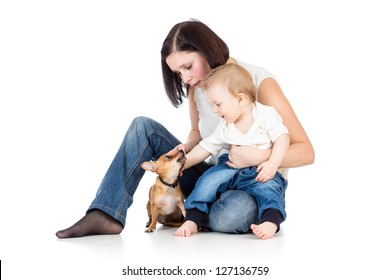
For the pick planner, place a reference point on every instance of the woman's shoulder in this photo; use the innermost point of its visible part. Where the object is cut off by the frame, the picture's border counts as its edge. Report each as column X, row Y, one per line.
column 254, row 69
column 263, row 109
column 258, row 73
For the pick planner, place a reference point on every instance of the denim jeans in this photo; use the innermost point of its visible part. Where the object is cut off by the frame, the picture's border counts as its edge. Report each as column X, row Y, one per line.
column 146, row 140
column 219, row 178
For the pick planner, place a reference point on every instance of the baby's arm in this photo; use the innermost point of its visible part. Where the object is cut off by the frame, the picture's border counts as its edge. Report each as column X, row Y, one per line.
column 267, row 169
column 195, row 156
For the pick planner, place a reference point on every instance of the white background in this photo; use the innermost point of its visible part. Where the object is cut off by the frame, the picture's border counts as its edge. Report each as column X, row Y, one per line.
column 73, row 74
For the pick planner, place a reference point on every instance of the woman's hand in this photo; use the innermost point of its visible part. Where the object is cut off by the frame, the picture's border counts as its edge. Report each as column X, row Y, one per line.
column 178, row 148
column 246, row 156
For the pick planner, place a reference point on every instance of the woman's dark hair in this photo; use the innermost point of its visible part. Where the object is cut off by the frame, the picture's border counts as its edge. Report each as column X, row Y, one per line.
column 193, row 36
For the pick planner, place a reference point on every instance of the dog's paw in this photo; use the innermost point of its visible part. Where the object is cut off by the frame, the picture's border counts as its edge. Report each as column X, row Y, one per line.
column 149, row 230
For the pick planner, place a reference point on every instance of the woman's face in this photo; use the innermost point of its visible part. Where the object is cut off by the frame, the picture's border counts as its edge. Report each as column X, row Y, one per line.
column 191, row 66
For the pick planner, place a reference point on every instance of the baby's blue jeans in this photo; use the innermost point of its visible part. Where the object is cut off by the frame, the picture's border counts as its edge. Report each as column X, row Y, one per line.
column 221, row 177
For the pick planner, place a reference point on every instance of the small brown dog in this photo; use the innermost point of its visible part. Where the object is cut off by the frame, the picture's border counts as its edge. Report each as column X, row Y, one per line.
column 165, row 203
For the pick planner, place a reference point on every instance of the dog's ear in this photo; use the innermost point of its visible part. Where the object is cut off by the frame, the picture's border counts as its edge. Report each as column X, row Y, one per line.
column 149, row 166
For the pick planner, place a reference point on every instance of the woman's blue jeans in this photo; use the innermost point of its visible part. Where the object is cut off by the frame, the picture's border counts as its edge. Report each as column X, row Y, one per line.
column 219, row 178
column 234, row 211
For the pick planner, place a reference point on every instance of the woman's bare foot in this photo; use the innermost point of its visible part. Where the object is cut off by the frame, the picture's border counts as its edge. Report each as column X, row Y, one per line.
column 93, row 223
column 265, row 230
column 186, row 229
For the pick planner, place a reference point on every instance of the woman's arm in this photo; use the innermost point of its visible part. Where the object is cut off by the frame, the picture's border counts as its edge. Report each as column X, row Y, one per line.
column 193, row 137
column 300, row 151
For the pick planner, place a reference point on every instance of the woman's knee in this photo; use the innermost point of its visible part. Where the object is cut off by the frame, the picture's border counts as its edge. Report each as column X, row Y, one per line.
column 233, row 212
column 142, row 127
column 142, row 122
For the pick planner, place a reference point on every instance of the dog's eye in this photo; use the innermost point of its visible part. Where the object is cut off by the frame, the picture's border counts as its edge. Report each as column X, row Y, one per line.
column 168, row 157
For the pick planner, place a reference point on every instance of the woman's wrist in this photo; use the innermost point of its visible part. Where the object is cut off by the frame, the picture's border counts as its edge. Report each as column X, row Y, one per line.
column 260, row 156
column 187, row 147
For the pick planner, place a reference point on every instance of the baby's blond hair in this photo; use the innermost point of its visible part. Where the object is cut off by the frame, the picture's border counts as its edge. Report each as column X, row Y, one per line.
column 234, row 78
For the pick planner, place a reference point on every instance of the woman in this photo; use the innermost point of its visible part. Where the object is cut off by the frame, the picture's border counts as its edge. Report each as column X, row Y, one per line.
column 189, row 52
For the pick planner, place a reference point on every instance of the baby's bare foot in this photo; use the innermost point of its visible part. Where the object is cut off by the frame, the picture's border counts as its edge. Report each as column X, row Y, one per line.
column 186, row 229
column 265, row 230
column 94, row 222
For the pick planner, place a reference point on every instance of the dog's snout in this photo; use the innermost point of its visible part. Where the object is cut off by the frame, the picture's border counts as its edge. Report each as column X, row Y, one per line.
column 182, row 156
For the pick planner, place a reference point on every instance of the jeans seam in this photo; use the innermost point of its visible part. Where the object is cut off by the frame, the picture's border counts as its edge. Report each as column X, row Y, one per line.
column 102, row 206
column 137, row 163
column 121, row 205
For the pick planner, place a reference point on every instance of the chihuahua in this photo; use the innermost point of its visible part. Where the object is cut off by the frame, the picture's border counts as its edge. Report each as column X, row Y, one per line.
column 165, row 203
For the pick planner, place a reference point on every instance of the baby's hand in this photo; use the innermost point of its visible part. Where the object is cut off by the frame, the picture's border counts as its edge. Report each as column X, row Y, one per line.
column 267, row 171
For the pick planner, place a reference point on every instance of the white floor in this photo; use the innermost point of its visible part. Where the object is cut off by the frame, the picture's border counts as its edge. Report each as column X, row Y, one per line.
column 314, row 243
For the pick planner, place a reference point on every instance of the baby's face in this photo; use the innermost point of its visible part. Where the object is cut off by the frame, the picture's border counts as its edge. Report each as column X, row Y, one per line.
column 225, row 104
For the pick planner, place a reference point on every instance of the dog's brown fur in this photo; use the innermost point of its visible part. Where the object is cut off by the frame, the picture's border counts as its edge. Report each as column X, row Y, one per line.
column 165, row 203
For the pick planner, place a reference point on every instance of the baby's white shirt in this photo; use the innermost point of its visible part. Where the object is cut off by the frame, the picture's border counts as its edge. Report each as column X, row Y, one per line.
column 208, row 120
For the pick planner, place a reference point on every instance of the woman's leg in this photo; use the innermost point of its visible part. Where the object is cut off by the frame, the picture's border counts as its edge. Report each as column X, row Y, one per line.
column 145, row 139
column 233, row 212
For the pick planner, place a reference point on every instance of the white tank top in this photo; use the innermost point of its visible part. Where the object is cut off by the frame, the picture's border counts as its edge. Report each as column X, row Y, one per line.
column 208, row 120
